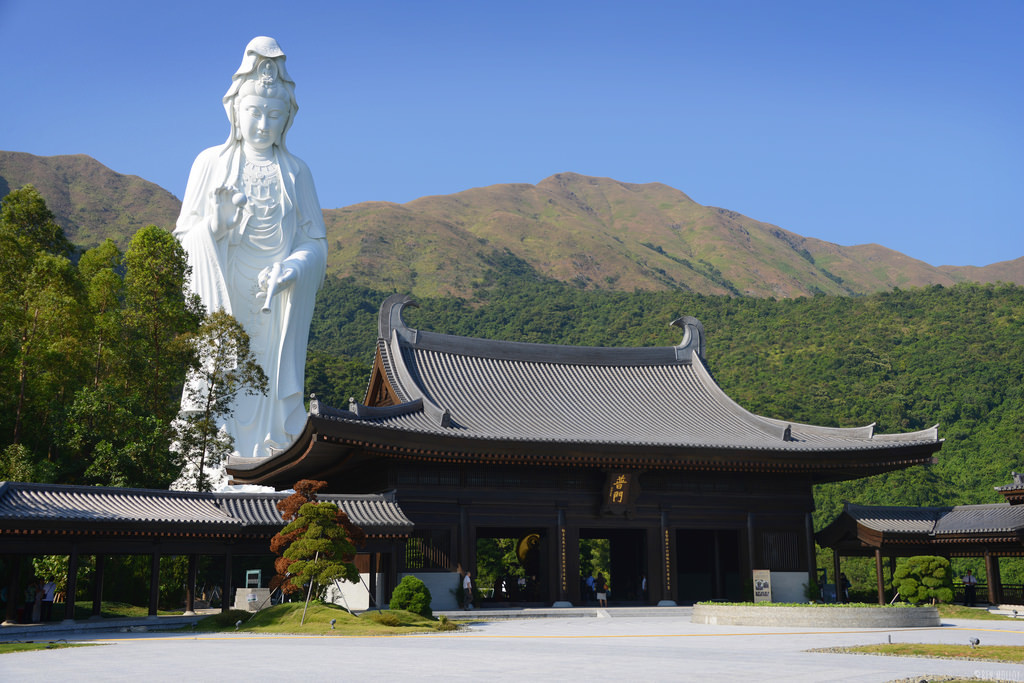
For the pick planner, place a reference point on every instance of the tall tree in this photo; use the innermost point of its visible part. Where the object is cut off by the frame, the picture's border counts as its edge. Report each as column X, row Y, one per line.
column 224, row 367
column 159, row 315
column 120, row 424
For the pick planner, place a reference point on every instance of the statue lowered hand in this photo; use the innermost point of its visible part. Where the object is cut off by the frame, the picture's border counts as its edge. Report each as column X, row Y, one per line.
column 270, row 280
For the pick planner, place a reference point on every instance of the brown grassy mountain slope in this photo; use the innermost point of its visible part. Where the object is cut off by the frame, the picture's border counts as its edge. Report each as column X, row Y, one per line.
column 602, row 233
column 595, row 232
column 91, row 201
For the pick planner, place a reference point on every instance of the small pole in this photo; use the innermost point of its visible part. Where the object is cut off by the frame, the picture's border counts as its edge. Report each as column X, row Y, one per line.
column 308, row 593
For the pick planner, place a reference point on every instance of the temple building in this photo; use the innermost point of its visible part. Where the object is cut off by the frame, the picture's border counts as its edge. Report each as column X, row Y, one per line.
column 478, row 439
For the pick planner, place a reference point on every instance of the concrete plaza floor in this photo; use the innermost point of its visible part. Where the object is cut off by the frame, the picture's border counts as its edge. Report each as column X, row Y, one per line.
column 612, row 646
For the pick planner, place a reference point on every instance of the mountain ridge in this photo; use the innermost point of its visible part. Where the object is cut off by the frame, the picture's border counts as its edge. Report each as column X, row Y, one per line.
column 597, row 233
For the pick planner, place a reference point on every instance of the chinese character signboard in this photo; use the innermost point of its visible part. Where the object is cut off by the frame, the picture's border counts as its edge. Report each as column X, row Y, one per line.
column 620, row 492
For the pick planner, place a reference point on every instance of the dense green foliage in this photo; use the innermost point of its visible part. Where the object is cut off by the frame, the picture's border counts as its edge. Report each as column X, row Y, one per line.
column 413, row 595
column 924, row 578
column 320, row 552
column 92, row 355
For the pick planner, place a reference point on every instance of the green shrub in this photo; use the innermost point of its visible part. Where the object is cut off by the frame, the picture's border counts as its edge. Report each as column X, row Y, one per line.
column 413, row 595
column 924, row 578
column 386, row 619
column 444, row 624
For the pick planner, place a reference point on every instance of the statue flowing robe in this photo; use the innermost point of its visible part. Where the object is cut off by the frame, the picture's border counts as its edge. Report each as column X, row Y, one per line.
column 224, row 268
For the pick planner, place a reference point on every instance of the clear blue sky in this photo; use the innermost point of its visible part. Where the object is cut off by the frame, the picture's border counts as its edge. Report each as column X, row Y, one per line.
column 897, row 122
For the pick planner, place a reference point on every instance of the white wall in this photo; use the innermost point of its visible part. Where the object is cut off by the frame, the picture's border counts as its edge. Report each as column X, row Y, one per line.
column 440, row 585
column 354, row 596
column 788, row 586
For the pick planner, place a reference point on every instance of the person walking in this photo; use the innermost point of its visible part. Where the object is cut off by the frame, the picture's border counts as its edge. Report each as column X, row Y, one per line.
column 970, row 582
column 602, row 590
column 467, row 588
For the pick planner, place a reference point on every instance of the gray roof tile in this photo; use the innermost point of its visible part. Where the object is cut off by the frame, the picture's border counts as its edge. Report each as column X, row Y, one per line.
column 376, row 514
column 937, row 521
column 509, row 391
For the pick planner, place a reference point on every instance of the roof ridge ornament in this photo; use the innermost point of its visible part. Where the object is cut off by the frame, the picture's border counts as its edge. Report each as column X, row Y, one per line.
column 391, row 316
column 693, row 337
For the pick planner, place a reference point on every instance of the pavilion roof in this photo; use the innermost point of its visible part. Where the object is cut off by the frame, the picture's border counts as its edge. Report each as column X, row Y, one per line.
column 860, row 527
column 52, row 505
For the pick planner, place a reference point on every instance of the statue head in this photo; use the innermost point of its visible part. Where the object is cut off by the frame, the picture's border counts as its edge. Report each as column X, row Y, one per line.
column 262, row 73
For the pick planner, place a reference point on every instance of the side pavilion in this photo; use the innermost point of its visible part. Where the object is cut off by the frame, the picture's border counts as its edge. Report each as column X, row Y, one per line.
column 79, row 521
column 552, row 444
column 988, row 531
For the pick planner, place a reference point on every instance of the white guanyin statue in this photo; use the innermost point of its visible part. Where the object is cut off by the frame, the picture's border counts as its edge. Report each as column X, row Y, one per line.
column 255, row 238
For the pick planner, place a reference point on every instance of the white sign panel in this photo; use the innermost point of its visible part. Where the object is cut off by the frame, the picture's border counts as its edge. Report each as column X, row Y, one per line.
column 762, row 585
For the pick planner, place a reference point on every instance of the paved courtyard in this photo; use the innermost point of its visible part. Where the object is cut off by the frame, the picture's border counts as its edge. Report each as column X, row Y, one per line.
column 612, row 648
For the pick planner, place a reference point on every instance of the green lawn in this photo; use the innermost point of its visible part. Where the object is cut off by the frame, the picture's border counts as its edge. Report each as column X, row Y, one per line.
column 1010, row 654
column 108, row 610
column 961, row 612
column 286, row 618
column 7, row 648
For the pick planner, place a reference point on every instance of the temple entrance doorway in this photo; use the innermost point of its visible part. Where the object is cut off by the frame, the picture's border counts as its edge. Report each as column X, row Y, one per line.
column 620, row 555
column 708, row 566
column 511, row 565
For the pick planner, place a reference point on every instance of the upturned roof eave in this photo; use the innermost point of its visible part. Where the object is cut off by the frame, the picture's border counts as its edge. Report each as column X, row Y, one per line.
column 331, row 442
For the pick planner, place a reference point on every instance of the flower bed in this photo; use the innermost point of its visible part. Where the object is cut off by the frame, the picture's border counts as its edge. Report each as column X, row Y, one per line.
column 832, row 616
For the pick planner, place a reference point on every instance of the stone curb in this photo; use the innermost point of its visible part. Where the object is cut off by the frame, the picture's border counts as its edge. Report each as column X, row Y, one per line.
column 831, row 617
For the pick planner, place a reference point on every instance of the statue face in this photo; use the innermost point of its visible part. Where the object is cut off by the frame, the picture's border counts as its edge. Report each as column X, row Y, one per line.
column 261, row 121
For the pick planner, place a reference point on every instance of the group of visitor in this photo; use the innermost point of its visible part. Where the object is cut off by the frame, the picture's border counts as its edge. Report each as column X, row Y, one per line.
column 38, row 601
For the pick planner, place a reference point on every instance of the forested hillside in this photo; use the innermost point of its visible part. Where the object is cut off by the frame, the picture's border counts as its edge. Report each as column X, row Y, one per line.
column 904, row 359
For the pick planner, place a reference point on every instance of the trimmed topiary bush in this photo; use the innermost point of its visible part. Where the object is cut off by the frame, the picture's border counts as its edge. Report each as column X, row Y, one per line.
column 413, row 595
column 924, row 578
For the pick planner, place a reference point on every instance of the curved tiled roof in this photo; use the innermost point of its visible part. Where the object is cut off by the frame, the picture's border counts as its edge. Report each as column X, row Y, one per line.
column 937, row 521
column 511, row 391
column 376, row 514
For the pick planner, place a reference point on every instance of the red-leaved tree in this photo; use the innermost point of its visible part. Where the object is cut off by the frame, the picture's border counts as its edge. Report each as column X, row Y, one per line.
column 318, row 543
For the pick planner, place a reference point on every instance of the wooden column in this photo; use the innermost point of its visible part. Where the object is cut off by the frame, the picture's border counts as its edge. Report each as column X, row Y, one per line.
column 72, row 584
column 835, row 574
column 719, row 583
column 562, row 557
column 751, row 546
column 97, row 587
column 190, row 586
column 226, row 598
column 996, row 580
column 154, row 582
column 374, row 598
column 668, row 566
column 880, row 576
column 652, row 566
column 812, row 558
column 991, row 575
column 464, row 540
column 13, row 563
